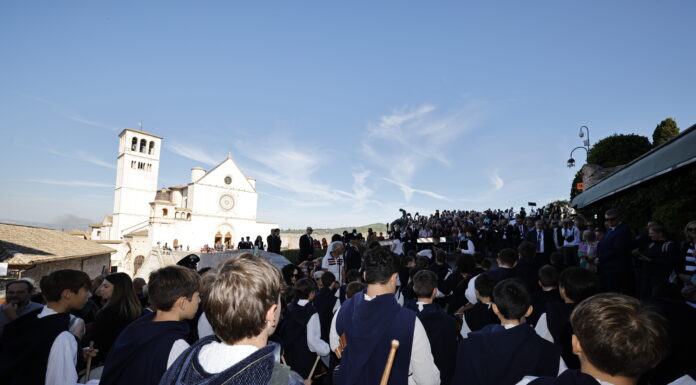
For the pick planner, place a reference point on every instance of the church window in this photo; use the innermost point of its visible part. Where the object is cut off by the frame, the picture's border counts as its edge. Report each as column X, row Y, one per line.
column 228, row 180
column 143, row 144
column 164, row 212
column 188, row 216
column 134, row 144
column 152, row 148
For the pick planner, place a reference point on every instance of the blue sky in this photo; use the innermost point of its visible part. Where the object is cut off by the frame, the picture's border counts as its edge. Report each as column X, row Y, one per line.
column 344, row 112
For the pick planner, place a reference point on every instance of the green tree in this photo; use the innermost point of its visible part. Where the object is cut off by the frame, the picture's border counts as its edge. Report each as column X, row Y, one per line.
column 573, row 189
column 666, row 130
column 618, row 149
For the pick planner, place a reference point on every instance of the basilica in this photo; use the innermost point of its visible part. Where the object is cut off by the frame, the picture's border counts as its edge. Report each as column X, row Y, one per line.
column 215, row 208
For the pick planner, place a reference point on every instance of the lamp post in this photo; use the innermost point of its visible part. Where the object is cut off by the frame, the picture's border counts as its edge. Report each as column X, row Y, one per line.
column 585, row 146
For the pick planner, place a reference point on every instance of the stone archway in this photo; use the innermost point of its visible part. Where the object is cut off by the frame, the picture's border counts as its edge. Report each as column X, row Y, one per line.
column 218, row 239
column 228, row 240
column 139, row 260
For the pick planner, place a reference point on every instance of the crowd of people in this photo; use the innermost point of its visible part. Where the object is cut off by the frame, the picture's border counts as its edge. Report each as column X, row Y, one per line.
column 493, row 297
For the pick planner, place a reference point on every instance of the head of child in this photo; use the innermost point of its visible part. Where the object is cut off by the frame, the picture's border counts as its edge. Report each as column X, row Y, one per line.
column 575, row 284
column 425, row 286
column 511, row 302
column 65, row 290
column 381, row 268
column 484, row 288
column 631, row 340
column 328, row 280
column 354, row 288
column 305, row 289
column 243, row 304
column 174, row 291
column 548, row 277
column 507, row 258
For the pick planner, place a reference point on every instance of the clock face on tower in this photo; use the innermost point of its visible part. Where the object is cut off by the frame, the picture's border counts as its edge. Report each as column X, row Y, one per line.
column 226, row 202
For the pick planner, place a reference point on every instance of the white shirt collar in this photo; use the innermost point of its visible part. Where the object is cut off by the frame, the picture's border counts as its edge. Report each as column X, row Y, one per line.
column 302, row 302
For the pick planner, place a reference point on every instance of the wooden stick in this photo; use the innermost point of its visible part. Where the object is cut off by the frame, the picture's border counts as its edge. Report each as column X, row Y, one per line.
column 390, row 362
column 89, row 362
column 311, row 374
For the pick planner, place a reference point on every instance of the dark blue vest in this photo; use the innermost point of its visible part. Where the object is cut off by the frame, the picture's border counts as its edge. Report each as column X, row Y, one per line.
column 141, row 351
column 26, row 344
column 495, row 355
column 294, row 338
column 370, row 326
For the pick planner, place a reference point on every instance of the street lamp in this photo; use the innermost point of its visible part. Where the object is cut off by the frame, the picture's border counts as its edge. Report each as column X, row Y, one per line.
column 582, row 134
column 585, row 146
column 571, row 161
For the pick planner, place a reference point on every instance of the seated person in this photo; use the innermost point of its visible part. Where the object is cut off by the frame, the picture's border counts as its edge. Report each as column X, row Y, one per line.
column 243, row 308
column 632, row 340
column 503, row 354
column 148, row 346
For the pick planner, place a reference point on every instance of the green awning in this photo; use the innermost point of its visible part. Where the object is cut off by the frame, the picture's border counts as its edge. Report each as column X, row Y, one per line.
column 671, row 155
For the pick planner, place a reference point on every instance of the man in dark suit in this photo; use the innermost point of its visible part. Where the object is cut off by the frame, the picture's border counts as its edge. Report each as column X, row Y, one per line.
column 614, row 265
column 273, row 241
column 542, row 239
column 306, row 246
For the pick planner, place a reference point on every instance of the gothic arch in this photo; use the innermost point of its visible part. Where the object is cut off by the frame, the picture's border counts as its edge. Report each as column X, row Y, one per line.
column 138, row 263
column 151, row 149
column 134, row 144
column 143, row 144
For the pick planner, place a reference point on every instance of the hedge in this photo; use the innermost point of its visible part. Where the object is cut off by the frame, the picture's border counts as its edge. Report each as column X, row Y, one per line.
column 670, row 198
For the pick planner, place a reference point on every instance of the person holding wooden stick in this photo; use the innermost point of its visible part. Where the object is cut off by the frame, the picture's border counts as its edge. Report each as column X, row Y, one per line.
column 371, row 320
column 39, row 347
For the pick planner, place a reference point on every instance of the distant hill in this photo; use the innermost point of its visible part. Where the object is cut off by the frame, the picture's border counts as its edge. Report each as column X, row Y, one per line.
column 377, row 227
column 63, row 222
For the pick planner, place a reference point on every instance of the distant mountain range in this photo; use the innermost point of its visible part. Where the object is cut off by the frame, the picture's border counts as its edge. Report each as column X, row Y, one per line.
column 64, row 222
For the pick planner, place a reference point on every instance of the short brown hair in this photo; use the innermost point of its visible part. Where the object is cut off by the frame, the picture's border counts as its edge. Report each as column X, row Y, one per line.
column 244, row 290
column 424, row 282
column 170, row 283
column 354, row 288
column 53, row 285
column 619, row 335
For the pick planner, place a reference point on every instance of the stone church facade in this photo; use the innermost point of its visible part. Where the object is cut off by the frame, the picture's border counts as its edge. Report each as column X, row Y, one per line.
column 216, row 207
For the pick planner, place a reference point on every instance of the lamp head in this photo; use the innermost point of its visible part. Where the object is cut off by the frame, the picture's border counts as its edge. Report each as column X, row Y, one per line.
column 571, row 163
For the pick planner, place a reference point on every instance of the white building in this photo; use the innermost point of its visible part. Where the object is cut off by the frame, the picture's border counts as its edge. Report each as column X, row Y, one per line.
column 217, row 207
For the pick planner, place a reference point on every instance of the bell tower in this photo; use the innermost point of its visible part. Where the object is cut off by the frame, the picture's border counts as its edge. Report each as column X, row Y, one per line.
column 136, row 180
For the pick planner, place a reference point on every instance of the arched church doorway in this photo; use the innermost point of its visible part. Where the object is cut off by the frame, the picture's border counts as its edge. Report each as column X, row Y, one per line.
column 139, row 260
column 218, row 239
column 228, row 240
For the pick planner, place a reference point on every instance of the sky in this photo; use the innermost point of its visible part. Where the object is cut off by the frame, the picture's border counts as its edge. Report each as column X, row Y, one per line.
column 344, row 112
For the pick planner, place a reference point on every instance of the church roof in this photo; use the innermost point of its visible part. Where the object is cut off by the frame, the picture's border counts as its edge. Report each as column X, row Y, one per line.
column 139, row 132
column 139, row 233
column 25, row 245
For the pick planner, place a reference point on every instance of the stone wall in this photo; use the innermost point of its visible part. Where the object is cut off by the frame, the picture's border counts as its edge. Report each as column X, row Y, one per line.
column 593, row 173
column 91, row 265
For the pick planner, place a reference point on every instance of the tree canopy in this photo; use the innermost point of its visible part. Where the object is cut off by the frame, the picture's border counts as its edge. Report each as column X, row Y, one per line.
column 618, row 149
column 666, row 130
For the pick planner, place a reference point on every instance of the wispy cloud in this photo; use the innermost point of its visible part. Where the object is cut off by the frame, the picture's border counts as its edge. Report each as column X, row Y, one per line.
column 407, row 139
column 285, row 166
column 192, row 152
column 408, row 191
column 497, row 181
column 70, row 182
column 69, row 114
column 85, row 157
